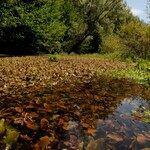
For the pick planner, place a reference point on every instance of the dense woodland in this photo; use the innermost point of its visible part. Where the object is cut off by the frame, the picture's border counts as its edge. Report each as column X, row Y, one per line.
column 80, row 26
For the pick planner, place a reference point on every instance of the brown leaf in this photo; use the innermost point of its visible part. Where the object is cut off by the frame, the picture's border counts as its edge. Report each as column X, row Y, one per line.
column 25, row 137
column 96, row 145
column 47, row 107
column 116, row 137
column 37, row 146
column 61, row 121
column 44, row 123
column 85, row 125
column 91, row 131
column 61, row 104
column 141, row 139
column 33, row 115
column 147, row 134
column 66, row 126
column 77, row 113
column 19, row 109
column 43, row 143
column 31, row 108
column 30, row 124
column 19, row 121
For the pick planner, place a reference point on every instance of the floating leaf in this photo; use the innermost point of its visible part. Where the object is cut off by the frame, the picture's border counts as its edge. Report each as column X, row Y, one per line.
column 30, row 124
column 19, row 121
column 43, row 143
column 91, row 131
column 19, row 109
column 44, row 123
column 48, row 108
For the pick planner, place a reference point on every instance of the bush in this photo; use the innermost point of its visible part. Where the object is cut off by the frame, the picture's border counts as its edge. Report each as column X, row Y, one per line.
column 112, row 43
column 30, row 27
column 136, row 36
column 20, row 40
column 52, row 58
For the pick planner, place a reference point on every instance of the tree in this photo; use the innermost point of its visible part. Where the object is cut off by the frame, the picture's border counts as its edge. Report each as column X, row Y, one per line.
column 49, row 26
column 41, row 18
column 136, row 37
column 94, row 13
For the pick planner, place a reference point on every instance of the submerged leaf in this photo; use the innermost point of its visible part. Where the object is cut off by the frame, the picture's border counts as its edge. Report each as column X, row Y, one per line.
column 116, row 137
column 96, row 145
column 141, row 139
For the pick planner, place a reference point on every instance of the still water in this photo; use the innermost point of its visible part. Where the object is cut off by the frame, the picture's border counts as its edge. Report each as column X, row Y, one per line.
column 128, row 127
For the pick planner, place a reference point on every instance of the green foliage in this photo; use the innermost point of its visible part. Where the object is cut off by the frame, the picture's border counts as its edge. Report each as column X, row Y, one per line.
column 52, row 58
column 49, row 26
column 143, row 65
column 42, row 18
column 138, row 71
column 86, row 47
column 2, row 126
column 143, row 114
column 136, row 36
column 11, row 136
column 112, row 43
column 136, row 75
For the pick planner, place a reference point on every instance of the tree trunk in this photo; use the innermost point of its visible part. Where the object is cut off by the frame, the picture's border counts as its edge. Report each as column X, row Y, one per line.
column 79, row 40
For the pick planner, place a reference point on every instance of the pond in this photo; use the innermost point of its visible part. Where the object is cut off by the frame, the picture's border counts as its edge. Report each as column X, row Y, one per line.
column 128, row 127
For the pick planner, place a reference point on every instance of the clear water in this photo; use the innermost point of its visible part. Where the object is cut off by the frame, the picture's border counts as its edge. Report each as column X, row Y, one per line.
column 118, row 131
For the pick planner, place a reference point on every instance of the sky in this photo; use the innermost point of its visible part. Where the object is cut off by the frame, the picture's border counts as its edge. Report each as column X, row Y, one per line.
column 138, row 8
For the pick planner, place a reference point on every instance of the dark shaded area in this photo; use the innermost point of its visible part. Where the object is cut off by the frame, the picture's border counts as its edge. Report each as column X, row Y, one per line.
column 20, row 40
column 96, row 42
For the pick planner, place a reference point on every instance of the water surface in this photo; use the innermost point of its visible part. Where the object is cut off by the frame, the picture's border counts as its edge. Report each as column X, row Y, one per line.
column 120, row 130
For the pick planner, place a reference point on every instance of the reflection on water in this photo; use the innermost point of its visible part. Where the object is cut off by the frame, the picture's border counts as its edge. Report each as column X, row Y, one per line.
column 119, row 130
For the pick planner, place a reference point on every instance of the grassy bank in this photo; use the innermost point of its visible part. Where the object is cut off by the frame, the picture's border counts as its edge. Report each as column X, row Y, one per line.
column 137, row 70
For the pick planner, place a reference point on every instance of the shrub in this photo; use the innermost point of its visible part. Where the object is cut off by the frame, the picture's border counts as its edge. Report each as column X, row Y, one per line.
column 112, row 43
column 136, row 36
column 52, row 58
